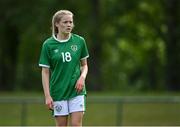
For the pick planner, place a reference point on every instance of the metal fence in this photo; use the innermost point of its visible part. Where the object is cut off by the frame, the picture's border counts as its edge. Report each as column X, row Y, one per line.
column 119, row 101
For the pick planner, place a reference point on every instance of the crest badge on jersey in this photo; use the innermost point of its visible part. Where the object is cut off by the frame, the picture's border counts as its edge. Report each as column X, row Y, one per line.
column 74, row 47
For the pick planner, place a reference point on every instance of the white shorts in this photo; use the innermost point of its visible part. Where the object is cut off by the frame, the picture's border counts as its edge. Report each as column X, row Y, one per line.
column 66, row 107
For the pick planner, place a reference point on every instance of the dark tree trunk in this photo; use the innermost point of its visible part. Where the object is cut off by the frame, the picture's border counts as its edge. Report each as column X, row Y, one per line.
column 94, row 69
column 152, row 68
column 8, row 56
column 172, row 46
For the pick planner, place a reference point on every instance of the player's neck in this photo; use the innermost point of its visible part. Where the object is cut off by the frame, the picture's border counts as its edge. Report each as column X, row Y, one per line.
column 61, row 36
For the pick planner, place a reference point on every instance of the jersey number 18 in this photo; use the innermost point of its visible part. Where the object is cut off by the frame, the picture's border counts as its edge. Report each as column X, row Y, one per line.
column 66, row 56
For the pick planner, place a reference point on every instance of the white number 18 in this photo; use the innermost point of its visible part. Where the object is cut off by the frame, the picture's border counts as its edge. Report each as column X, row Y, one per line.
column 66, row 56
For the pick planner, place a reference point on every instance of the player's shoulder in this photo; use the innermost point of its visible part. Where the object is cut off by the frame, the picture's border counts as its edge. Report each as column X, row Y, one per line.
column 76, row 36
column 48, row 41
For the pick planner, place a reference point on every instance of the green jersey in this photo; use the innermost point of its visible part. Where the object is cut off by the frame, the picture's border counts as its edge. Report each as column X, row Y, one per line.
column 63, row 60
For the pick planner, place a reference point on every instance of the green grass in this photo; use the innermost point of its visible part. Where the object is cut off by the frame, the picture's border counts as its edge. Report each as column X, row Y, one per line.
column 9, row 114
column 156, row 114
column 99, row 113
column 96, row 114
column 36, row 114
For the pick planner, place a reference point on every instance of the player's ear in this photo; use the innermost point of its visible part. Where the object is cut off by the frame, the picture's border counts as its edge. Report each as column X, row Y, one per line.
column 57, row 24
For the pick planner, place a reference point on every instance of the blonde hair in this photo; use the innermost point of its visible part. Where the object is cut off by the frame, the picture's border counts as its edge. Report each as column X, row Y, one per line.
column 57, row 17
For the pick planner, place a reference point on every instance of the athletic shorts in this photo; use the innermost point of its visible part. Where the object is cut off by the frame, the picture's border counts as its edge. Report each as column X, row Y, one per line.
column 65, row 107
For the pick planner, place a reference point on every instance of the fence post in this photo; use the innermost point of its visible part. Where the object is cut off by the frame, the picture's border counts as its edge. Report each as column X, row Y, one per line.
column 24, row 114
column 119, row 118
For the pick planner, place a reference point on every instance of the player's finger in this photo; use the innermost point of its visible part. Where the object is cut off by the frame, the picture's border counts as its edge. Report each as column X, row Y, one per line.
column 79, row 88
column 50, row 105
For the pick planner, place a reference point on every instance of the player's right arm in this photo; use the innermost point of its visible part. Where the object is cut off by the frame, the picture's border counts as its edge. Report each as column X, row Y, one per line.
column 45, row 82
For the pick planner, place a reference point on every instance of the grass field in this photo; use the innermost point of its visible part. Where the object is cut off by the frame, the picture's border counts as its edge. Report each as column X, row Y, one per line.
column 98, row 113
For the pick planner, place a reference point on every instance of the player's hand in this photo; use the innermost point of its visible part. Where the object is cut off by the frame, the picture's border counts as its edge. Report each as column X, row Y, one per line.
column 80, row 84
column 49, row 102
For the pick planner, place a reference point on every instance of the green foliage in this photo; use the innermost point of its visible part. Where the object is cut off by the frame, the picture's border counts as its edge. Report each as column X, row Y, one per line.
column 127, row 40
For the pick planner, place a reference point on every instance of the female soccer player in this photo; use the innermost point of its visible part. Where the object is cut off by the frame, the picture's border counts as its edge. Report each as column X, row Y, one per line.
column 63, row 60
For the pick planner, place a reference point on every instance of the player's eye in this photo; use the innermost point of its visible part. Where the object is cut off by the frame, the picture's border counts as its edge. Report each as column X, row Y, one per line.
column 65, row 22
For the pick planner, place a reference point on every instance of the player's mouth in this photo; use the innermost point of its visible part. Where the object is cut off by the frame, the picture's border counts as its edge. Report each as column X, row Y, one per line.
column 68, row 29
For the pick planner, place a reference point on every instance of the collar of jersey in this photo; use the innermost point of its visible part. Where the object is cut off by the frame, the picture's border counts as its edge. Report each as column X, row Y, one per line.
column 62, row 41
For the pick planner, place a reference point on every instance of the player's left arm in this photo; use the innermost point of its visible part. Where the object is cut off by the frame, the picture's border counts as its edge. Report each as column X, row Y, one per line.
column 81, row 81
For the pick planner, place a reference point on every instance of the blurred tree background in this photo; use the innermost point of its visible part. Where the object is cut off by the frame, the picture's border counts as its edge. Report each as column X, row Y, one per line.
column 134, row 45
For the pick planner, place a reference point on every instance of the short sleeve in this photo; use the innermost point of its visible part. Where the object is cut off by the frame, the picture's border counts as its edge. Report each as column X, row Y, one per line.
column 44, row 57
column 84, row 53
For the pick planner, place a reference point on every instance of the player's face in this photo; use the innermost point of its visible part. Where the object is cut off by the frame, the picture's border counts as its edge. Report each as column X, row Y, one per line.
column 65, row 26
